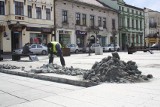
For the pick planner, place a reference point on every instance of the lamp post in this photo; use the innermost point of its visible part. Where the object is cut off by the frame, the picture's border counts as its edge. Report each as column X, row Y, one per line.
column 96, row 31
column 55, row 27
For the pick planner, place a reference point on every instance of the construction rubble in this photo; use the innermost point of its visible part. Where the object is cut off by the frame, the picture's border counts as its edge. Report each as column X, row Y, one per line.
column 109, row 69
column 112, row 69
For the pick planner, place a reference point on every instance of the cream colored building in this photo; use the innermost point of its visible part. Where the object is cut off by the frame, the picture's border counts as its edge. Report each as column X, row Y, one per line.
column 74, row 17
column 25, row 21
column 152, row 26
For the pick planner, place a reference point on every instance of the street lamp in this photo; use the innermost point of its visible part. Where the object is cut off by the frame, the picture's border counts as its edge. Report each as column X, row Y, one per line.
column 96, row 31
column 114, row 32
column 17, row 25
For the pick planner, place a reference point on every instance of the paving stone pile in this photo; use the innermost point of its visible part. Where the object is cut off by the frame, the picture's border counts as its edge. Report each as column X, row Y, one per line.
column 54, row 68
column 7, row 66
column 112, row 69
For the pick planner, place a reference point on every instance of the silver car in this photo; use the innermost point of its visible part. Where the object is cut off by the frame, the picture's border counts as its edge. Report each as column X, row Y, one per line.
column 74, row 48
column 35, row 49
column 92, row 48
column 110, row 47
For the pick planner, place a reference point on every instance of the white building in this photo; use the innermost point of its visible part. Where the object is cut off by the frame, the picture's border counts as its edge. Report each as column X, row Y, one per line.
column 25, row 21
column 74, row 17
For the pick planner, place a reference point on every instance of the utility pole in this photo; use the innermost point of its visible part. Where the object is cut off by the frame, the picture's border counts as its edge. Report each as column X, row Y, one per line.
column 55, row 27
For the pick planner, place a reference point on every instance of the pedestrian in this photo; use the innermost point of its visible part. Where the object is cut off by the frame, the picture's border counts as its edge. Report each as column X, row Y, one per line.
column 54, row 48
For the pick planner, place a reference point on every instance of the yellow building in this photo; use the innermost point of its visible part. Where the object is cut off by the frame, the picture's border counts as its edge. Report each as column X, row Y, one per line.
column 23, row 21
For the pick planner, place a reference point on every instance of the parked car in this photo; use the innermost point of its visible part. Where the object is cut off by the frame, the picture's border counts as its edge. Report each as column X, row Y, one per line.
column 35, row 49
column 155, row 47
column 74, row 48
column 92, row 47
column 110, row 47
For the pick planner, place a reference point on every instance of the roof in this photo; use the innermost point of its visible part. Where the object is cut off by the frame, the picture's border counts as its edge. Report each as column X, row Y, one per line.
column 92, row 2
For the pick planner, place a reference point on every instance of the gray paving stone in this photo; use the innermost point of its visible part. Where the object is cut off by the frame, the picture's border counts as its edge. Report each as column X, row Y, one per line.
column 38, row 103
column 8, row 100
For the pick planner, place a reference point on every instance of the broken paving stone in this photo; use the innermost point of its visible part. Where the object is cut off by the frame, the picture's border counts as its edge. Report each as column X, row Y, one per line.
column 7, row 66
column 112, row 69
column 109, row 69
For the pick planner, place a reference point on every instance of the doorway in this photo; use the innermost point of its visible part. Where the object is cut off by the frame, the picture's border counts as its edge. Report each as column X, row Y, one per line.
column 124, row 41
column 16, row 40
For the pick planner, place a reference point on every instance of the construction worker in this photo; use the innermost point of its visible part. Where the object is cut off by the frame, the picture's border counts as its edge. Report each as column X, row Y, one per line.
column 54, row 48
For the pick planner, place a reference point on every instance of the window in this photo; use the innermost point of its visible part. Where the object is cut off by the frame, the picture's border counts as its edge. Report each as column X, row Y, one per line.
column 133, row 23
column 39, row 46
column 19, row 8
column 78, row 18
column 137, row 39
column 120, row 8
column 48, row 14
column 129, row 39
column 136, row 12
column 140, row 24
column 132, row 11
column 2, row 8
column 113, row 24
column 38, row 12
column 128, row 10
column 84, row 18
column 123, row 21
column 137, row 24
column 133, row 38
column 140, row 13
column 99, row 21
column 30, row 11
column 141, row 39
column 128, row 22
column 64, row 16
column 91, row 20
column 104, row 22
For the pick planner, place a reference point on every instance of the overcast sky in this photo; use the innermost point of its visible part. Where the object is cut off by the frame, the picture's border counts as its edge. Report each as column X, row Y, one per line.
column 151, row 4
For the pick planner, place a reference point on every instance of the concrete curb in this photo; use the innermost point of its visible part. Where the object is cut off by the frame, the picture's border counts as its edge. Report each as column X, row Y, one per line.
column 50, row 78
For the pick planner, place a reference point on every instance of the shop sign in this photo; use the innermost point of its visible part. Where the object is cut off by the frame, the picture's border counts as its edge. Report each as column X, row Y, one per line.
column 33, row 29
column 78, row 32
column 64, row 32
column 46, row 30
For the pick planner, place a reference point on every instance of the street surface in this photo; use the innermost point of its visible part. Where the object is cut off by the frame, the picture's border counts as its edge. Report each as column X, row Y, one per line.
column 18, row 91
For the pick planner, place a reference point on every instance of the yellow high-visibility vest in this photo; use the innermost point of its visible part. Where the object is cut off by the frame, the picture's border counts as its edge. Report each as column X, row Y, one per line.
column 54, row 46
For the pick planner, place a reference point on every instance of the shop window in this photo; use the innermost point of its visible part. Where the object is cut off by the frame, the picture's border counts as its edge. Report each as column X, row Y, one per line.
column 36, row 38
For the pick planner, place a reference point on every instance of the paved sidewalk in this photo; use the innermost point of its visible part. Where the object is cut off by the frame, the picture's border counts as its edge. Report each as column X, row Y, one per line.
column 107, row 94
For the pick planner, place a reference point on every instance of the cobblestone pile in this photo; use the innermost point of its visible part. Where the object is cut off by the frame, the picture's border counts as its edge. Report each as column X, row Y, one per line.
column 112, row 69
column 7, row 66
column 54, row 68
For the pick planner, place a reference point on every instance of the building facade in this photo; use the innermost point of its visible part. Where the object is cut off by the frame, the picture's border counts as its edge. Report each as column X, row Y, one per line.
column 152, row 27
column 25, row 21
column 76, row 21
column 131, row 25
